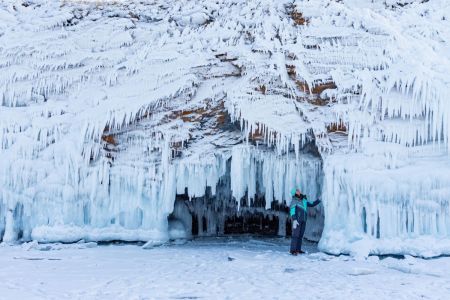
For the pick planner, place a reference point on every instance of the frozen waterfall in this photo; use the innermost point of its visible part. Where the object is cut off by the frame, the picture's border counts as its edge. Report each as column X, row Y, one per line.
column 155, row 120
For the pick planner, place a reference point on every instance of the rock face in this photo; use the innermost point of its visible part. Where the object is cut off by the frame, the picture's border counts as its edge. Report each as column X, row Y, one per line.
column 112, row 110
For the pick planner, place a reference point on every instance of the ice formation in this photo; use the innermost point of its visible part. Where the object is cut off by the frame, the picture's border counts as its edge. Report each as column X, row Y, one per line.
column 110, row 109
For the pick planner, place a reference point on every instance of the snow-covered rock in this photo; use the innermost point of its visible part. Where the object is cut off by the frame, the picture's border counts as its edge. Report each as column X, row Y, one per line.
column 109, row 110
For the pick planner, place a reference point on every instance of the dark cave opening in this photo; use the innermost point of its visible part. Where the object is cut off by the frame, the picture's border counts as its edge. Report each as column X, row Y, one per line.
column 251, row 224
column 221, row 215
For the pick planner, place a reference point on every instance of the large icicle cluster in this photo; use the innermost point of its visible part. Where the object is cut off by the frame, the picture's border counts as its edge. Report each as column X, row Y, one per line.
column 257, row 172
column 396, row 210
column 391, row 98
column 111, row 108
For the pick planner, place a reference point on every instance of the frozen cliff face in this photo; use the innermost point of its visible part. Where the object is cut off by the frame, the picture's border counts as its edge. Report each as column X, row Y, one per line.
column 110, row 110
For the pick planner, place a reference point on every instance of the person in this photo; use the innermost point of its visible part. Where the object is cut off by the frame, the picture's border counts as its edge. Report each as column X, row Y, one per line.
column 299, row 214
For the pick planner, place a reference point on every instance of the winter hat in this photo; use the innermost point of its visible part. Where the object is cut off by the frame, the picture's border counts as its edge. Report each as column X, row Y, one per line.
column 293, row 191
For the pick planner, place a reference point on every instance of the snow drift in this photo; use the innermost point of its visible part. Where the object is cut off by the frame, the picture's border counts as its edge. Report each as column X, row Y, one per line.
column 109, row 111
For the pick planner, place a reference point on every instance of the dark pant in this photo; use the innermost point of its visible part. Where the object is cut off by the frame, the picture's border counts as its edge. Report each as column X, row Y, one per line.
column 297, row 236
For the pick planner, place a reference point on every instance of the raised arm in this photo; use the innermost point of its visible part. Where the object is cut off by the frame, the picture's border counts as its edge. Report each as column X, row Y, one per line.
column 314, row 203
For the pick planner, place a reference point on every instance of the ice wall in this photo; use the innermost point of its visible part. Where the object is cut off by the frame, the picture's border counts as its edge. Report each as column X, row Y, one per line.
column 110, row 203
column 386, row 177
column 122, row 202
column 108, row 111
column 371, row 209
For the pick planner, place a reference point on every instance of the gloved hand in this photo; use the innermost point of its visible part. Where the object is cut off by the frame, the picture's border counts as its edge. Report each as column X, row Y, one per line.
column 295, row 224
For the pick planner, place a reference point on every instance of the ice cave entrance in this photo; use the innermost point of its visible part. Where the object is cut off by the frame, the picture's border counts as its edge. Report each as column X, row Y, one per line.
column 220, row 214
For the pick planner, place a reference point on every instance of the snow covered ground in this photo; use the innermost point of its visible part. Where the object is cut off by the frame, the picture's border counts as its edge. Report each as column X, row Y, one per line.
column 212, row 269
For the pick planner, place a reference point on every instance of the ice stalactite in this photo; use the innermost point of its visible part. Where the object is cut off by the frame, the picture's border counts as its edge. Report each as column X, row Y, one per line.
column 109, row 113
column 118, row 203
column 400, row 210
column 253, row 195
column 257, row 172
column 132, row 203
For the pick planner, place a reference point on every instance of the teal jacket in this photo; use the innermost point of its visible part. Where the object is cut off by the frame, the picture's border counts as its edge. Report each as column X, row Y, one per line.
column 299, row 208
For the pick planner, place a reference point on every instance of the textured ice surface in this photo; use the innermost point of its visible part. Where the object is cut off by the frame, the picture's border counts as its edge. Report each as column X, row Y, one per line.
column 218, row 269
column 108, row 111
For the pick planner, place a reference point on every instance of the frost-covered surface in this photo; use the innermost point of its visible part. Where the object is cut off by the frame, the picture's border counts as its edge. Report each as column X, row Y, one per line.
column 108, row 111
column 222, row 269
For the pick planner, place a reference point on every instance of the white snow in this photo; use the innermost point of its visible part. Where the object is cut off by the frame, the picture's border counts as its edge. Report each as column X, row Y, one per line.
column 213, row 269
